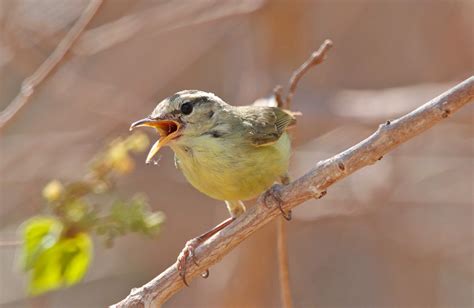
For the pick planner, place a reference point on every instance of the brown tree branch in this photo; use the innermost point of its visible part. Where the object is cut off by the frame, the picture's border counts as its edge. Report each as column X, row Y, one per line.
column 311, row 185
column 29, row 84
column 283, row 268
column 316, row 58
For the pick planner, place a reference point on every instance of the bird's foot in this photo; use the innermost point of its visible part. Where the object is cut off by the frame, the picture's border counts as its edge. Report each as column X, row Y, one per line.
column 190, row 247
column 188, row 251
column 275, row 193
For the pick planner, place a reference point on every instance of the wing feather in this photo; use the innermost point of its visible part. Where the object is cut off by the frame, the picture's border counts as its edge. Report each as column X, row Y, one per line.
column 265, row 125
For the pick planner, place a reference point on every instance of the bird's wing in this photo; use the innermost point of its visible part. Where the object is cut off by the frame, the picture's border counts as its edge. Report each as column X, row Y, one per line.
column 265, row 125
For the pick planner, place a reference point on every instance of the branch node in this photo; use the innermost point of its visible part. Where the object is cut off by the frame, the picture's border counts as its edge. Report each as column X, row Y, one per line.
column 322, row 194
column 277, row 93
column 341, row 166
column 316, row 192
column 446, row 113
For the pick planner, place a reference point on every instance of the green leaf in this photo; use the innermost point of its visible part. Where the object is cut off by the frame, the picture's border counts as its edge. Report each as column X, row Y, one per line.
column 77, row 254
column 63, row 264
column 39, row 233
column 46, row 272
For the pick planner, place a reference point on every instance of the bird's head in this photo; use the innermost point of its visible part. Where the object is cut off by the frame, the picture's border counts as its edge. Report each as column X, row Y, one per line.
column 187, row 113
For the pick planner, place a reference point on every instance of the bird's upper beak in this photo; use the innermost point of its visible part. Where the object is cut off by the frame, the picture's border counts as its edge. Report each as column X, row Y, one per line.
column 168, row 130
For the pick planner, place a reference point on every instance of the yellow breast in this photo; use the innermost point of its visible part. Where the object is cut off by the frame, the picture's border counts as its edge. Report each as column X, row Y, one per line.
column 227, row 169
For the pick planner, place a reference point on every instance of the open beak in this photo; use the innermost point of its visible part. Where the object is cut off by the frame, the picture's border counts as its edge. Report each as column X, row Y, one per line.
column 167, row 129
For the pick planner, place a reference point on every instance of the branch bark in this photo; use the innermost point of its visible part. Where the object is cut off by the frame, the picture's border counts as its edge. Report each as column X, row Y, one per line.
column 311, row 185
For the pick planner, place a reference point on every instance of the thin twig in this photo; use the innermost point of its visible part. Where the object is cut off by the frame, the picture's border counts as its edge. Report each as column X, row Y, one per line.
column 278, row 94
column 10, row 244
column 29, row 84
column 311, row 185
column 283, row 270
column 161, row 17
column 315, row 58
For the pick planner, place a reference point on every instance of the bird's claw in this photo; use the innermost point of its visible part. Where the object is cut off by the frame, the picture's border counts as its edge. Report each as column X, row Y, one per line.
column 275, row 193
column 188, row 251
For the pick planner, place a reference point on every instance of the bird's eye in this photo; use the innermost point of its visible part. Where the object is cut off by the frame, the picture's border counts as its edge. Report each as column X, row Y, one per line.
column 187, row 108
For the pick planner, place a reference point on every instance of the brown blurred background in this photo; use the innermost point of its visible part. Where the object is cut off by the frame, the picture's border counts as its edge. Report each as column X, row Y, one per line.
column 398, row 234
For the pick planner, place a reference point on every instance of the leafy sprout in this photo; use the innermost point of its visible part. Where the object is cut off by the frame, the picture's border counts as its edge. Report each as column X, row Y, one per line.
column 57, row 247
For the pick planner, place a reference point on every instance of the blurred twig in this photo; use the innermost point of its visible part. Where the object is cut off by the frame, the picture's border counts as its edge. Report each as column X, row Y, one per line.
column 312, row 185
column 283, row 270
column 29, row 84
column 316, row 58
column 161, row 17
column 10, row 243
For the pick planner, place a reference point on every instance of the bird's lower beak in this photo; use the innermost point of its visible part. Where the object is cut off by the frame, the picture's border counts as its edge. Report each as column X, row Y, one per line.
column 167, row 129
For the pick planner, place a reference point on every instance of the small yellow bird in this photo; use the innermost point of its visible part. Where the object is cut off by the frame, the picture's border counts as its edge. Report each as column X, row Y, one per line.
column 227, row 152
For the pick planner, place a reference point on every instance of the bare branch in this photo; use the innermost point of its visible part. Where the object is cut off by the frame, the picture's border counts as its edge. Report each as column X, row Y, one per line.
column 284, row 273
column 283, row 270
column 316, row 58
column 277, row 94
column 160, row 18
column 312, row 185
column 29, row 84
column 10, row 244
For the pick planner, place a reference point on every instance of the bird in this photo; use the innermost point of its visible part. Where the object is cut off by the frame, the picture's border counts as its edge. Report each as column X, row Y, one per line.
column 229, row 153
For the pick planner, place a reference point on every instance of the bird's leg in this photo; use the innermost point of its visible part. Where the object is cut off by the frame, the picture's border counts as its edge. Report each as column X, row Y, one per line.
column 274, row 192
column 235, row 207
column 191, row 245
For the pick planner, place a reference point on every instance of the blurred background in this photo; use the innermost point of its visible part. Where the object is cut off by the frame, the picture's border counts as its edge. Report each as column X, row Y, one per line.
column 397, row 234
